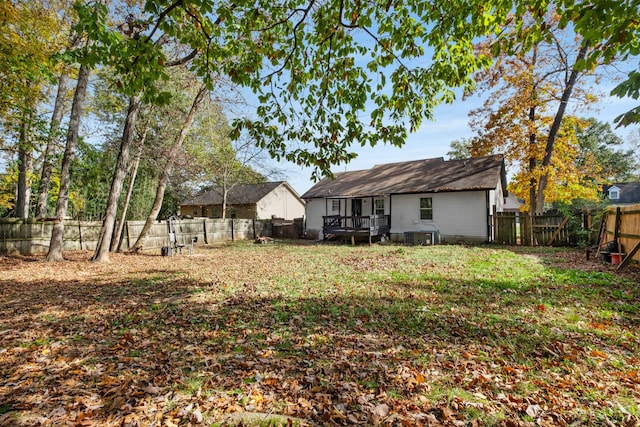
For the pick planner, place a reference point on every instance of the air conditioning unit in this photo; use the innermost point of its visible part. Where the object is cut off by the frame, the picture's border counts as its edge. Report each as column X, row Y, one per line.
column 421, row 238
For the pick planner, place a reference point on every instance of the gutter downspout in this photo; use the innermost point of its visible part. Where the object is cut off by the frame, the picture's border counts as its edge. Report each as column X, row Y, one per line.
column 390, row 217
column 488, row 201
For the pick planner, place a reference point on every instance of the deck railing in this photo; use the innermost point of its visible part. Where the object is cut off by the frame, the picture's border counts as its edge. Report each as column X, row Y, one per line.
column 380, row 223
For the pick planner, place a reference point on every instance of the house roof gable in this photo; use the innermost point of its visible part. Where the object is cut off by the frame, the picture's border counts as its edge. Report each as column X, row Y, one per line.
column 418, row 176
column 628, row 192
column 240, row 194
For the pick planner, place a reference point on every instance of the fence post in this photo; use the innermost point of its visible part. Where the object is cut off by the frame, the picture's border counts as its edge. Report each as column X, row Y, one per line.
column 523, row 220
column 232, row 234
column 204, row 230
column 128, row 236
column 616, row 232
column 80, row 233
column 618, row 223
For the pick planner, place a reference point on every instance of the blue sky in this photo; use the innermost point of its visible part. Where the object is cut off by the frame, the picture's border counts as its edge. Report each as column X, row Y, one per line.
column 433, row 138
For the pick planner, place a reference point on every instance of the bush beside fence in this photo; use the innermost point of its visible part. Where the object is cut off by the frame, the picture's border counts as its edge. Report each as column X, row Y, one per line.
column 32, row 237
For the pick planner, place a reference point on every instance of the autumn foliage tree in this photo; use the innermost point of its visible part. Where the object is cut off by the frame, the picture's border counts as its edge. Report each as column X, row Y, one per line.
column 325, row 75
column 32, row 32
column 524, row 115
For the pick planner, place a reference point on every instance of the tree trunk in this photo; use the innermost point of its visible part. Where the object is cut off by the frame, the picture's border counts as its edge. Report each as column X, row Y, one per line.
column 55, row 245
column 166, row 172
column 532, row 164
column 117, row 236
column 532, row 167
column 225, row 192
column 47, row 164
column 555, row 127
column 101, row 253
column 25, row 169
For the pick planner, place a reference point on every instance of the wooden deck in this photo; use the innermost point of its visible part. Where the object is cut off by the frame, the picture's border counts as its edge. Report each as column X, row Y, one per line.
column 356, row 226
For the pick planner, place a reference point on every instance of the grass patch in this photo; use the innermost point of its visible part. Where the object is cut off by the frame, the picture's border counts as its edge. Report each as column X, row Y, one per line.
column 331, row 334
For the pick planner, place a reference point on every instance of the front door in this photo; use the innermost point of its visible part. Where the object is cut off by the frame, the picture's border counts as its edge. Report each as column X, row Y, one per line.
column 356, row 212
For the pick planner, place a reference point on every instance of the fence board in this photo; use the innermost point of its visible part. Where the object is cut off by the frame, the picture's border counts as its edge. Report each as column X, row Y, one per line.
column 506, row 228
column 548, row 229
column 623, row 223
column 33, row 237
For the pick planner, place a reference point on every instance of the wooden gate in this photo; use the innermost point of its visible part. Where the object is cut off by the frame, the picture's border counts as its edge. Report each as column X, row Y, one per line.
column 506, row 228
column 545, row 230
column 540, row 230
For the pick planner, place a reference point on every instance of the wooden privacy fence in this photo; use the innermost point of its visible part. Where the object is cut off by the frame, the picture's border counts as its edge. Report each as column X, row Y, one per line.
column 512, row 228
column 32, row 237
column 621, row 224
column 505, row 228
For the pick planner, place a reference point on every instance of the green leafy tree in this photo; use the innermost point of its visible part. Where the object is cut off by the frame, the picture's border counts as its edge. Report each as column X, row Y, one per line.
column 332, row 74
column 634, row 143
column 8, row 182
column 460, row 149
column 631, row 88
column 31, row 35
column 612, row 28
column 316, row 69
column 326, row 75
column 168, row 166
column 57, row 233
column 92, row 168
column 598, row 143
column 220, row 163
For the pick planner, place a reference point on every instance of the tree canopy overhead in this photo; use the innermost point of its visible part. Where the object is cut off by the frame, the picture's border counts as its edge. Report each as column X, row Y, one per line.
column 335, row 73
column 327, row 75
column 331, row 74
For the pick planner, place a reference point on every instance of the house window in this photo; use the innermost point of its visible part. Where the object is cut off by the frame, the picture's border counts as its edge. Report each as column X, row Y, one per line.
column 379, row 206
column 426, row 208
column 335, row 206
column 614, row 194
column 195, row 211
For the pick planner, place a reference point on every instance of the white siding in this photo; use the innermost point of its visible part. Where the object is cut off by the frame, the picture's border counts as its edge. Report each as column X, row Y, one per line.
column 457, row 215
column 315, row 210
column 497, row 199
column 368, row 205
column 280, row 203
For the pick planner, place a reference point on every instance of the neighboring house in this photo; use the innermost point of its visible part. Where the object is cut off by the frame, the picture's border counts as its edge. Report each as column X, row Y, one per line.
column 512, row 204
column 624, row 193
column 449, row 201
column 260, row 201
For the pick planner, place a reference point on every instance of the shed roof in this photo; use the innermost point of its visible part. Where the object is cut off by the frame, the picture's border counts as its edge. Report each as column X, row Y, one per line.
column 240, row 194
column 417, row 176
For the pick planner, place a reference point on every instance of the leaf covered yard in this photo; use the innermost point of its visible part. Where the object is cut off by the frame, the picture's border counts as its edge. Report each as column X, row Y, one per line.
column 244, row 334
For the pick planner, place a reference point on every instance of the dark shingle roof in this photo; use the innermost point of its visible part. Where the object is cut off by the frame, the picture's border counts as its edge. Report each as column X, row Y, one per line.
column 629, row 192
column 240, row 194
column 418, row 176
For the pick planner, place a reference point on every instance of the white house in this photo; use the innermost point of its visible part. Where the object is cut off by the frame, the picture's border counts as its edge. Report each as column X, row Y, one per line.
column 259, row 201
column 421, row 201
